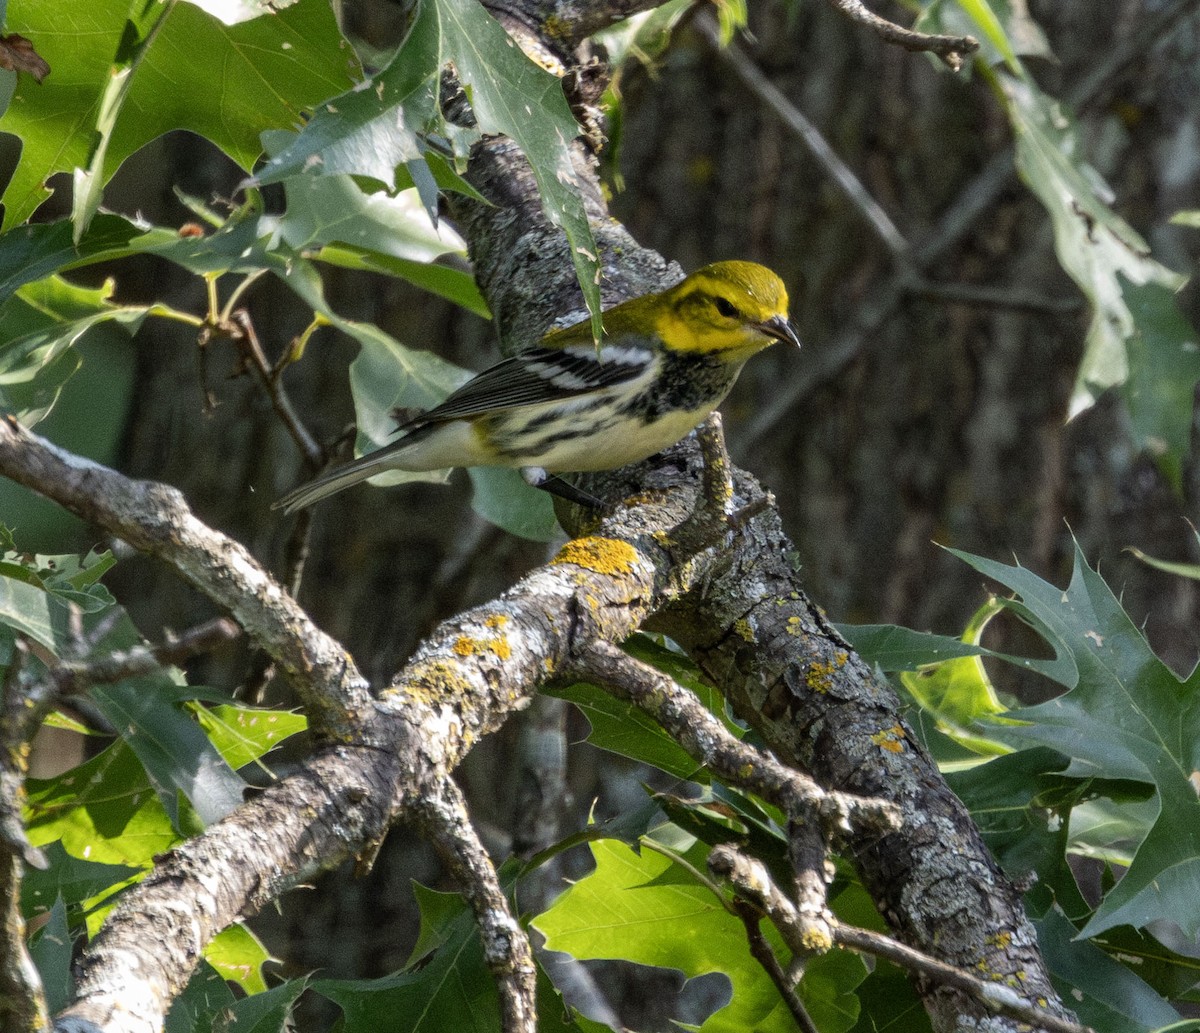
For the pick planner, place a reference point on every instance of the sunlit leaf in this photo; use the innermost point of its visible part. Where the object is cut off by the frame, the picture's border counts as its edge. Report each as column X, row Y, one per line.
column 394, row 119
column 644, row 909
column 1127, row 716
column 227, row 83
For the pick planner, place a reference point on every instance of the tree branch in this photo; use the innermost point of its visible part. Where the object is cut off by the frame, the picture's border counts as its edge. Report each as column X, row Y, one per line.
column 837, row 170
column 748, row 624
column 951, row 49
column 712, row 746
column 754, row 884
column 506, row 949
column 155, row 519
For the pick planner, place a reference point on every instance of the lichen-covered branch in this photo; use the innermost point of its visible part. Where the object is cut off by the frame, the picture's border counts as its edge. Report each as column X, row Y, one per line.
column 506, row 950
column 711, row 745
column 156, row 519
column 752, row 629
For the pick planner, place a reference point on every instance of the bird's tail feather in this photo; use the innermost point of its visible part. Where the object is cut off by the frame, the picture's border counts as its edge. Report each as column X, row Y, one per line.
column 343, row 477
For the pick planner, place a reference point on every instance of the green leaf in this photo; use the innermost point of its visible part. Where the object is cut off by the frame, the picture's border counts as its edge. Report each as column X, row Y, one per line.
column 1004, row 29
column 392, row 120
column 268, row 1012
column 33, row 252
column 958, row 693
column 51, row 951
column 893, row 648
column 1189, row 570
column 39, row 327
column 1173, row 976
column 172, row 747
column 452, row 990
column 69, row 879
column 244, row 734
column 503, row 498
column 1104, row 993
column 238, row 955
column 643, row 37
column 454, row 285
column 1127, row 716
column 30, row 610
column 104, row 810
column 332, row 219
column 642, row 908
column 1099, row 250
column 624, row 729
column 1023, row 831
column 141, row 28
column 1164, row 366
column 37, row 593
column 225, row 83
column 176, row 753
column 206, row 996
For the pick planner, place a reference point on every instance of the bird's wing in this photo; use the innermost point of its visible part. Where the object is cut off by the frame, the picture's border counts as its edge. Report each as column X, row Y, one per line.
column 541, row 375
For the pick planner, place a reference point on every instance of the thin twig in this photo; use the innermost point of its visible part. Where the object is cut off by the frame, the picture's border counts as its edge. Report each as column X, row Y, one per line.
column 976, row 197
column 837, row 170
column 805, row 934
column 753, row 883
column 951, row 49
column 73, row 676
column 273, row 385
column 443, row 817
column 691, row 725
column 761, row 951
column 1000, row 998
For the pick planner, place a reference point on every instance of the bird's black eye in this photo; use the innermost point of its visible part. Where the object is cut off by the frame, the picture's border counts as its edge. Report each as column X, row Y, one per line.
column 727, row 308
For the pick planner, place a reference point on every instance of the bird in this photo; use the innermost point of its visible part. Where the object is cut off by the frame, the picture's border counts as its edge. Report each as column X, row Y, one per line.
column 665, row 361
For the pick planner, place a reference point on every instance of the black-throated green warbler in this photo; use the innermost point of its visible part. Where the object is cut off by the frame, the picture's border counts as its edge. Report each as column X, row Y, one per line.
column 666, row 361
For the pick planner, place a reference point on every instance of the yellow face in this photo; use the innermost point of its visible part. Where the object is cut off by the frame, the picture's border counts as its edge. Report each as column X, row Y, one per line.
column 727, row 306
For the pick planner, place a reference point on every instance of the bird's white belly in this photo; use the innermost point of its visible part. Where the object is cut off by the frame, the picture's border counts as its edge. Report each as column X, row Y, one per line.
column 618, row 446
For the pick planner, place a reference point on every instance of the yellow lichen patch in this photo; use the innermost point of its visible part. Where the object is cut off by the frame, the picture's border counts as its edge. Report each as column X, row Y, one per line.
column 820, row 675
column 1000, row 939
column 890, row 739
column 464, row 645
column 743, row 629
column 602, row 555
column 496, row 620
column 431, row 681
column 816, row 940
column 795, row 626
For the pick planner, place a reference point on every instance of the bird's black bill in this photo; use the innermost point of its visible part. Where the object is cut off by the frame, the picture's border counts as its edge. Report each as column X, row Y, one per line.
column 779, row 328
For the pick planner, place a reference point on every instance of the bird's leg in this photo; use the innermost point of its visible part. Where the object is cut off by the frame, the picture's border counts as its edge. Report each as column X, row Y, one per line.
column 536, row 477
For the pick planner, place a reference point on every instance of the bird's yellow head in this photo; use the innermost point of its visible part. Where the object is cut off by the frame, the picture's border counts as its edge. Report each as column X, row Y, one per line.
column 732, row 307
